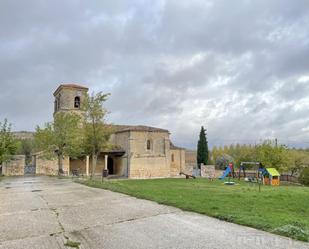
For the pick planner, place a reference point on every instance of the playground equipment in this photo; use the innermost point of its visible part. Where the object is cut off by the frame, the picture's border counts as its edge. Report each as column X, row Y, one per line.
column 187, row 175
column 265, row 176
column 242, row 168
column 228, row 171
column 270, row 176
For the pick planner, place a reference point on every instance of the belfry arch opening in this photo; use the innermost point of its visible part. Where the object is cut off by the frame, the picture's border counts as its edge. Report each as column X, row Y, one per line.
column 77, row 102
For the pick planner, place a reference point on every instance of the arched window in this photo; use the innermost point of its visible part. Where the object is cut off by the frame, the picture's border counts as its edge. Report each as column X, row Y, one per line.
column 77, row 102
column 148, row 144
column 173, row 158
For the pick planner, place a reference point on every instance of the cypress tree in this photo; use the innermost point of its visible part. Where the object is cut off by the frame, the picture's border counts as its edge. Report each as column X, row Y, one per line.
column 202, row 149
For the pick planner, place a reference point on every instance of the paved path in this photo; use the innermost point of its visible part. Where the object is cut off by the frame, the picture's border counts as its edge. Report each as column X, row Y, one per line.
column 44, row 212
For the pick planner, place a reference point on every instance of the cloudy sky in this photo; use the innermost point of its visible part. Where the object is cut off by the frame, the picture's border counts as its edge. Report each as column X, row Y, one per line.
column 240, row 68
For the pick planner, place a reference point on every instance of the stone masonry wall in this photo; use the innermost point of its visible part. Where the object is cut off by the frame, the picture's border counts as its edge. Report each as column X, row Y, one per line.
column 49, row 166
column 15, row 167
column 149, row 163
column 177, row 161
column 121, row 163
column 66, row 98
column 190, row 160
column 121, row 139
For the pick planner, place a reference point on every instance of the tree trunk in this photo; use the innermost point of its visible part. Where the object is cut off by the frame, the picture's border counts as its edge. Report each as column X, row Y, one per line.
column 94, row 164
column 60, row 164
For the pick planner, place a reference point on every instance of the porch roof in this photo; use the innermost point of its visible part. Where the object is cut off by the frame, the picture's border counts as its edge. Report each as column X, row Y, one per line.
column 114, row 152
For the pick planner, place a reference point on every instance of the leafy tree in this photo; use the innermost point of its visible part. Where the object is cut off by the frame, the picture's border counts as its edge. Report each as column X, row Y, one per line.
column 8, row 144
column 211, row 161
column 223, row 160
column 298, row 160
column 62, row 137
column 304, row 176
column 214, row 154
column 270, row 154
column 96, row 131
column 25, row 147
column 242, row 153
column 202, row 148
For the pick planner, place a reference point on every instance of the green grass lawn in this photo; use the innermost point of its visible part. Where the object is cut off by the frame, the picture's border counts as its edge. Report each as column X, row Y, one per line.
column 283, row 210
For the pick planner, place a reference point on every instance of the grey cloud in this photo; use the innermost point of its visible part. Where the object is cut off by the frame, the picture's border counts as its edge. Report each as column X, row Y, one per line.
column 231, row 66
column 293, row 90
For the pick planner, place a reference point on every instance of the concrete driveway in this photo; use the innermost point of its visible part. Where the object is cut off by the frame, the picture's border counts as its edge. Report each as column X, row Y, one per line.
column 44, row 212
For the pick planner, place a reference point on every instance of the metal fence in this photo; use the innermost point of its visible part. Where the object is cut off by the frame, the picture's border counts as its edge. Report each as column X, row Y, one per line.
column 288, row 178
column 283, row 177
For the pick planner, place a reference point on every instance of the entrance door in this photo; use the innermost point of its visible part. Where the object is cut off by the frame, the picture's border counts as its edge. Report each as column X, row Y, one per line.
column 29, row 170
column 110, row 166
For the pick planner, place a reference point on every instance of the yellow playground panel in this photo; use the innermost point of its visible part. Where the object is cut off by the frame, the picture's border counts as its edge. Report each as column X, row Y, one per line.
column 271, row 177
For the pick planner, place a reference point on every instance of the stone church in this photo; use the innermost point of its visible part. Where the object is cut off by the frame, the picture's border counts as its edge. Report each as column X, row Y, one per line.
column 142, row 151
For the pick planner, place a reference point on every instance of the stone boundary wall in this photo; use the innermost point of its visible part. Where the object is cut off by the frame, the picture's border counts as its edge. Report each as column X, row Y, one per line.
column 15, row 167
column 189, row 168
column 49, row 166
column 208, row 171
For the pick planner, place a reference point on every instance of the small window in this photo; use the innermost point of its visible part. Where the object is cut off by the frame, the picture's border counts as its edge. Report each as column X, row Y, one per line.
column 173, row 159
column 57, row 103
column 148, row 144
column 56, row 106
column 77, row 102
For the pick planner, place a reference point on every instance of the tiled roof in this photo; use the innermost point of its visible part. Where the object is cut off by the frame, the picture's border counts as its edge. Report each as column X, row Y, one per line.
column 124, row 128
column 174, row 147
column 70, row 85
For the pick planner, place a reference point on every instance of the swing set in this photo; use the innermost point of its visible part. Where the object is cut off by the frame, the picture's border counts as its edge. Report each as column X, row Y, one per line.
column 242, row 168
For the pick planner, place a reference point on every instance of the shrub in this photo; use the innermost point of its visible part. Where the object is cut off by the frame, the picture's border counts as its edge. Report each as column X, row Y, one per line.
column 304, row 176
column 295, row 231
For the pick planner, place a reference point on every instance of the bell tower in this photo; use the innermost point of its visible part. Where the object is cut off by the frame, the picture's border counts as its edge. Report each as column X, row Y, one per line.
column 69, row 97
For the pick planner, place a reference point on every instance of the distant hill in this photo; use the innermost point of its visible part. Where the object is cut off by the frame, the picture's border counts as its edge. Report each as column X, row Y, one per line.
column 23, row 134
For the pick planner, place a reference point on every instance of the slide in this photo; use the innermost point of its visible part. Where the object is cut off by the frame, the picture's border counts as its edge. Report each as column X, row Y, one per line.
column 226, row 172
